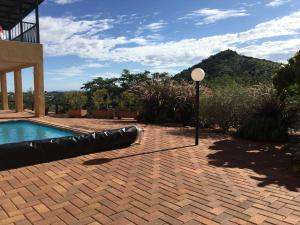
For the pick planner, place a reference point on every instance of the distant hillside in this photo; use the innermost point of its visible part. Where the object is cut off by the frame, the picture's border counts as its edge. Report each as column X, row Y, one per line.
column 231, row 63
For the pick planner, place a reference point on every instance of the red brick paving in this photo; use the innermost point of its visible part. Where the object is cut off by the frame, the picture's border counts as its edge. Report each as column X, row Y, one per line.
column 165, row 180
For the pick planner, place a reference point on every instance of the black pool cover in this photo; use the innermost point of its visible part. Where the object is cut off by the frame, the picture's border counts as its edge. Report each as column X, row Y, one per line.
column 33, row 152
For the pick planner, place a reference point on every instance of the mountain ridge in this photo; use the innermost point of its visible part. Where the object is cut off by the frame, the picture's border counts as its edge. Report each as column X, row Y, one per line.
column 231, row 63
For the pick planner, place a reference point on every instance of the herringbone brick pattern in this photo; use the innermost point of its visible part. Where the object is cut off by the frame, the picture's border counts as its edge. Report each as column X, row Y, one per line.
column 165, row 180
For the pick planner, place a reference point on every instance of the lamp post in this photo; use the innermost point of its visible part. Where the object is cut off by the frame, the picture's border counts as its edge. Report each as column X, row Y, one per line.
column 197, row 75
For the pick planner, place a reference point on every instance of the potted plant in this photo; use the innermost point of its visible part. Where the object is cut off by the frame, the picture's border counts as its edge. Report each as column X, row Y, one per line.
column 102, row 101
column 76, row 101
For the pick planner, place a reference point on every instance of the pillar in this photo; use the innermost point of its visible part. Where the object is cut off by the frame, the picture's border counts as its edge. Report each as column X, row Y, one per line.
column 39, row 95
column 4, row 95
column 18, row 91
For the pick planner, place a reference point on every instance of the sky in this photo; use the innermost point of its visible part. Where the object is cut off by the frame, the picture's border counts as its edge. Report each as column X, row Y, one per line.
column 85, row 39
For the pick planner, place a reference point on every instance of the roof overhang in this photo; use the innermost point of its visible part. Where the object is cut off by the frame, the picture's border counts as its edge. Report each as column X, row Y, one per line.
column 13, row 11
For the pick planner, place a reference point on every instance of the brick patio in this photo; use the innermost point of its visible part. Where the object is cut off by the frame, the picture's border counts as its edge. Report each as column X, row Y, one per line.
column 165, row 180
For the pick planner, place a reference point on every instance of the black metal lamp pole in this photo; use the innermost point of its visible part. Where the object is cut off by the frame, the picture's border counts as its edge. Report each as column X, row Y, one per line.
column 197, row 75
column 197, row 113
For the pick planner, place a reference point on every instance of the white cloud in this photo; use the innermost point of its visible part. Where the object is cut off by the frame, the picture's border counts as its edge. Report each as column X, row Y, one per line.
column 82, row 39
column 208, row 15
column 73, row 71
column 276, row 3
column 248, row 4
column 106, row 75
column 152, row 27
column 64, row 2
column 69, row 36
column 278, row 50
column 60, row 29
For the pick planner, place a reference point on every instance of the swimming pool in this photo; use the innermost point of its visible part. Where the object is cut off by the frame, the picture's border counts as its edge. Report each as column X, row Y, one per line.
column 19, row 131
column 25, row 143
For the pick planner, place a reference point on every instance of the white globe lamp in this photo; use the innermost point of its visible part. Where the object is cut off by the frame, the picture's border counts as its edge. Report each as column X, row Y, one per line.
column 198, row 74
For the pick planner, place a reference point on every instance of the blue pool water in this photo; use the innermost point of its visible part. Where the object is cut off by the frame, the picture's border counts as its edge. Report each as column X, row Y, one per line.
column 12, row 132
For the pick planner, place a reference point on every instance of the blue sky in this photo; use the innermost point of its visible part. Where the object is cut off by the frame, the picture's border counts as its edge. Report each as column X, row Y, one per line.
column 84, row 39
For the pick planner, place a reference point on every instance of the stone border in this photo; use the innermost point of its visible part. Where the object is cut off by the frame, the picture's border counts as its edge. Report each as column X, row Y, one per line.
column 50, row 124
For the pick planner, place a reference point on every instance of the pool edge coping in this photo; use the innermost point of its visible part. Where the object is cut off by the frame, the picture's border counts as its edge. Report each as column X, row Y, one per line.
column 77, row 131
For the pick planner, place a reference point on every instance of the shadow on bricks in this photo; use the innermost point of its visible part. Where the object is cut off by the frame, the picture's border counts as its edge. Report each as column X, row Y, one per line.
column 269, row 161
column 100, row 161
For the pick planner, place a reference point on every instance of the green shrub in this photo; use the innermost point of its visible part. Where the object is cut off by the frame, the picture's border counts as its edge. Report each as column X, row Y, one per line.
column 75, row 99
column 263, row 129
column 287, row 78
column 57, row 102
column 29, row 99
column 226, row 106
column 101, row 99
column 128, row 101
column 164, row 100
column 270, row 121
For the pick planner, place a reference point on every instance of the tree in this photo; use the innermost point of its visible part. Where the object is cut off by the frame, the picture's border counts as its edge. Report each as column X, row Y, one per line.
column 128, row 80
column 110, row 84
column 76, row 99
column 114, row 88
column 101, row 98
column 100, row 83
column 287, row 79
column 56, row 101
column 29, row 99
column 128, row 101
column 287, row 83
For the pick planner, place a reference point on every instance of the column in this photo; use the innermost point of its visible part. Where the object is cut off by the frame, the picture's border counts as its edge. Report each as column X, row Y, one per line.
column 18, row 91
column 4, row 95
column 39, row 95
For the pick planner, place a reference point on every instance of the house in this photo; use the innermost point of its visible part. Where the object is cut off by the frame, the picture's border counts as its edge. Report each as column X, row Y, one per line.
column 20, row 48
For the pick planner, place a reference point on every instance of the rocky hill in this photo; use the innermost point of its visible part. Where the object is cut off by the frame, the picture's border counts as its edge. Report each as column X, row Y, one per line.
column 231, row 63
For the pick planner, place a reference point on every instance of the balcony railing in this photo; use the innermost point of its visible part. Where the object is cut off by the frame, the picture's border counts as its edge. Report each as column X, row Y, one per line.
column 27, row 33
column 4, row 35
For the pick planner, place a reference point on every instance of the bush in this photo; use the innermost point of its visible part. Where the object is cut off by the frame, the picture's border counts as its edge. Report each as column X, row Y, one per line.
column 255, row 112
column 287, row 78
column 28, row 99
column 101, row 99
column 56, row 101
column 226, row 106
column 270, row 121
column 164, row 100
column 128, row 101
column 75, row 99
column 263, row 129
